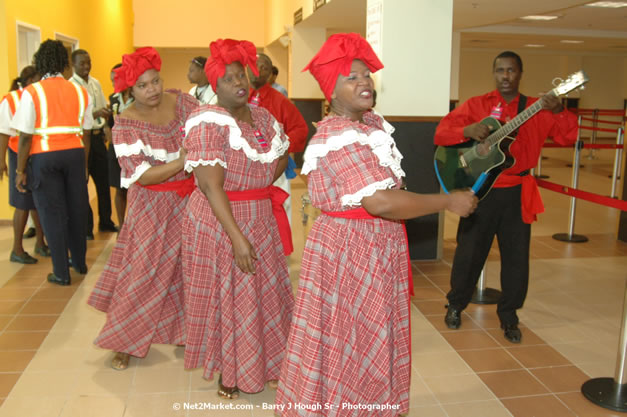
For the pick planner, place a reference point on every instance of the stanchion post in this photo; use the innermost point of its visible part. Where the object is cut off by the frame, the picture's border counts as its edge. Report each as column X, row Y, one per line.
column 607, row 392
column 539, row 170
column 618, row 159
column 571, row 236
column 593, row 138
column 482, row 294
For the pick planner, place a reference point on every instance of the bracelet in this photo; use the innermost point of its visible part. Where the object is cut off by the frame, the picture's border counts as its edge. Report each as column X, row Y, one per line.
column 18, row 172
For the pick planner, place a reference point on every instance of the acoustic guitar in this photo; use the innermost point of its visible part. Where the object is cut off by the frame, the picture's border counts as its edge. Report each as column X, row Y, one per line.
column 476, row 165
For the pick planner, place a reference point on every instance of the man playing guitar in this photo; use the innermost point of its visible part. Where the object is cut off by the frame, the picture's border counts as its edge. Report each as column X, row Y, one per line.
column 508, row 210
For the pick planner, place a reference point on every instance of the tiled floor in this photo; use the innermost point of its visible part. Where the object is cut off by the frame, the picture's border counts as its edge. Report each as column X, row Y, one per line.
column 49, row 366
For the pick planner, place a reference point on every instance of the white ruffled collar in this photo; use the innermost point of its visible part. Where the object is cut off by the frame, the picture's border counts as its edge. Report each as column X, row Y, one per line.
column 236, row 140
column 380, row 142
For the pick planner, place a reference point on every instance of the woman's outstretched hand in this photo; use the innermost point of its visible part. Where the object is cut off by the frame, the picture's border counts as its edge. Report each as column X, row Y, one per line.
column 462, row 203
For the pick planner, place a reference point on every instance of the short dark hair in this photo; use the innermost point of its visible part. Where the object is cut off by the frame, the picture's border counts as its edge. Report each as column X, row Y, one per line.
column 51, row 57
column 78, row 52
column 509, row 54
column 116, row 66
column 275, row 70
column 262, row 55
column 200, row 61
column 26, row 74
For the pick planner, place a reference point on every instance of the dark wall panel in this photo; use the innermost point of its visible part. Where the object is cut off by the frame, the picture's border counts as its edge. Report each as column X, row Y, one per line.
column 414, row 140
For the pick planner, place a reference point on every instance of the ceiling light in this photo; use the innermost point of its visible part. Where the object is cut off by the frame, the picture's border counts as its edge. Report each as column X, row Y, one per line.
column 608, row 4
column 539, row 17
column 570, row 41
column 534, row 45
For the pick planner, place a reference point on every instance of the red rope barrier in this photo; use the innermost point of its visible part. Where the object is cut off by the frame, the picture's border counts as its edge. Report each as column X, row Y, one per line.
column 586, row 145
column 600, row 129
column 602, row 121
column 584, row 195
column 605, row 112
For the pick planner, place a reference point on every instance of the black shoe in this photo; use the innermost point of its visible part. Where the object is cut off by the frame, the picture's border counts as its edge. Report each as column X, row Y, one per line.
column 512, row 332
column 24, row 258
column 42, row 250
column 453, row 317
column 31, row 232
column 81, row 270
column 108, row 228
column 90, row 236
column 53, row 279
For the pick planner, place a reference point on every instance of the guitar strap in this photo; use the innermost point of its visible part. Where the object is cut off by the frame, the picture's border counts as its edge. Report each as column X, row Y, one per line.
column 522, row 103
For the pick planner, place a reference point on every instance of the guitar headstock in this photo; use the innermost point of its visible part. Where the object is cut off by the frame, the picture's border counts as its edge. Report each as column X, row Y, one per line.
column 573, row 81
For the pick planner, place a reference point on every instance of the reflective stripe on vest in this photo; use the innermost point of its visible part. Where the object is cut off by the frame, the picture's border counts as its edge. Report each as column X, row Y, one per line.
column 43, row 130
column 16, row 100
column 13, row 98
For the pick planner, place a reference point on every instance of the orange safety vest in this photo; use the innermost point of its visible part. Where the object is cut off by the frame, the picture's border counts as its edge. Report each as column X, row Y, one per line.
column 60, row 107
column 13, row 98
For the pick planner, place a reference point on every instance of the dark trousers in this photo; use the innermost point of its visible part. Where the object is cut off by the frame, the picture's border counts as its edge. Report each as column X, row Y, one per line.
column 57, row 180
column 498, row 214
column 99, row 172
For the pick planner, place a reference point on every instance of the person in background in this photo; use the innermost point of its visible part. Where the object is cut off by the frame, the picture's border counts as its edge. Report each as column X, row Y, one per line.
column 285, row 112
column 349, row 341
column 272, row 81
column 22, row 202
column 512, row 204
column 202, row 91
column 141, row 286
column 98, row 165
column 54, row 119
column 118, row 102
column 238, row 296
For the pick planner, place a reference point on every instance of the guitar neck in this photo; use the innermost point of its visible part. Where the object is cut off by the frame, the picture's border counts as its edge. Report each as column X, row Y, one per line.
column 515, row 123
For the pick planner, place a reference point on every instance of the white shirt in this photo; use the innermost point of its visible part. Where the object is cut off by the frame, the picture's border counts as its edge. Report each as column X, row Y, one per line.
column 205, row 94
column 95, row 94
column 5, row 118
column 25, row 115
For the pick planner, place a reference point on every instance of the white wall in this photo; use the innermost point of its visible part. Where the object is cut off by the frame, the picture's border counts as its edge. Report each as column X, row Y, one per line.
column 416, row 52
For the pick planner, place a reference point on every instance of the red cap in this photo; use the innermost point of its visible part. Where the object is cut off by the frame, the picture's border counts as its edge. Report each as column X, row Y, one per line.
column 227, row 51
column 133, row 66
column 336, row 57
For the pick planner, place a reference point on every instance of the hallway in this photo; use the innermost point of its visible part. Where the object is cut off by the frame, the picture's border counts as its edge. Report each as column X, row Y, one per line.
column 49, row 366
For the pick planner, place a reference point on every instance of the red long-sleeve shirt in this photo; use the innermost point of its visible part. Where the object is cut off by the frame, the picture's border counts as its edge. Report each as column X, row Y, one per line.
column 285, row 112
column 561, row 127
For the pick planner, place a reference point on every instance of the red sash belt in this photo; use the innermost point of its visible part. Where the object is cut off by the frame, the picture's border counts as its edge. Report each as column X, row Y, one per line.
column 530, row 198
column 182, row 187
column 276, row 196
column 361, row 213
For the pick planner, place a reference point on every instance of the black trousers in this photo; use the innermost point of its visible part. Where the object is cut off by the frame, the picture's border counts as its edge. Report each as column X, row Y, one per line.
column 99, row 172
column 57, row 180
column 498, row 214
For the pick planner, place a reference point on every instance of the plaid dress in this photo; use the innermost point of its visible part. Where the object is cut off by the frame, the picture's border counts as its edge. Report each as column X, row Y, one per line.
column 349, row 338
column 141, row 287
column 236, row 323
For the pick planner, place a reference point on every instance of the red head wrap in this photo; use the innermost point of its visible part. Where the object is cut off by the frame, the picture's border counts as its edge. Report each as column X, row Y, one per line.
column 133, row 66
column 336, row 57
column 225, row 52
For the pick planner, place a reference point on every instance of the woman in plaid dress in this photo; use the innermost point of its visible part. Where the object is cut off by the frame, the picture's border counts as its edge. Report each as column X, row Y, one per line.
column 349, row 343
column 238, row 297
column 141, row 287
